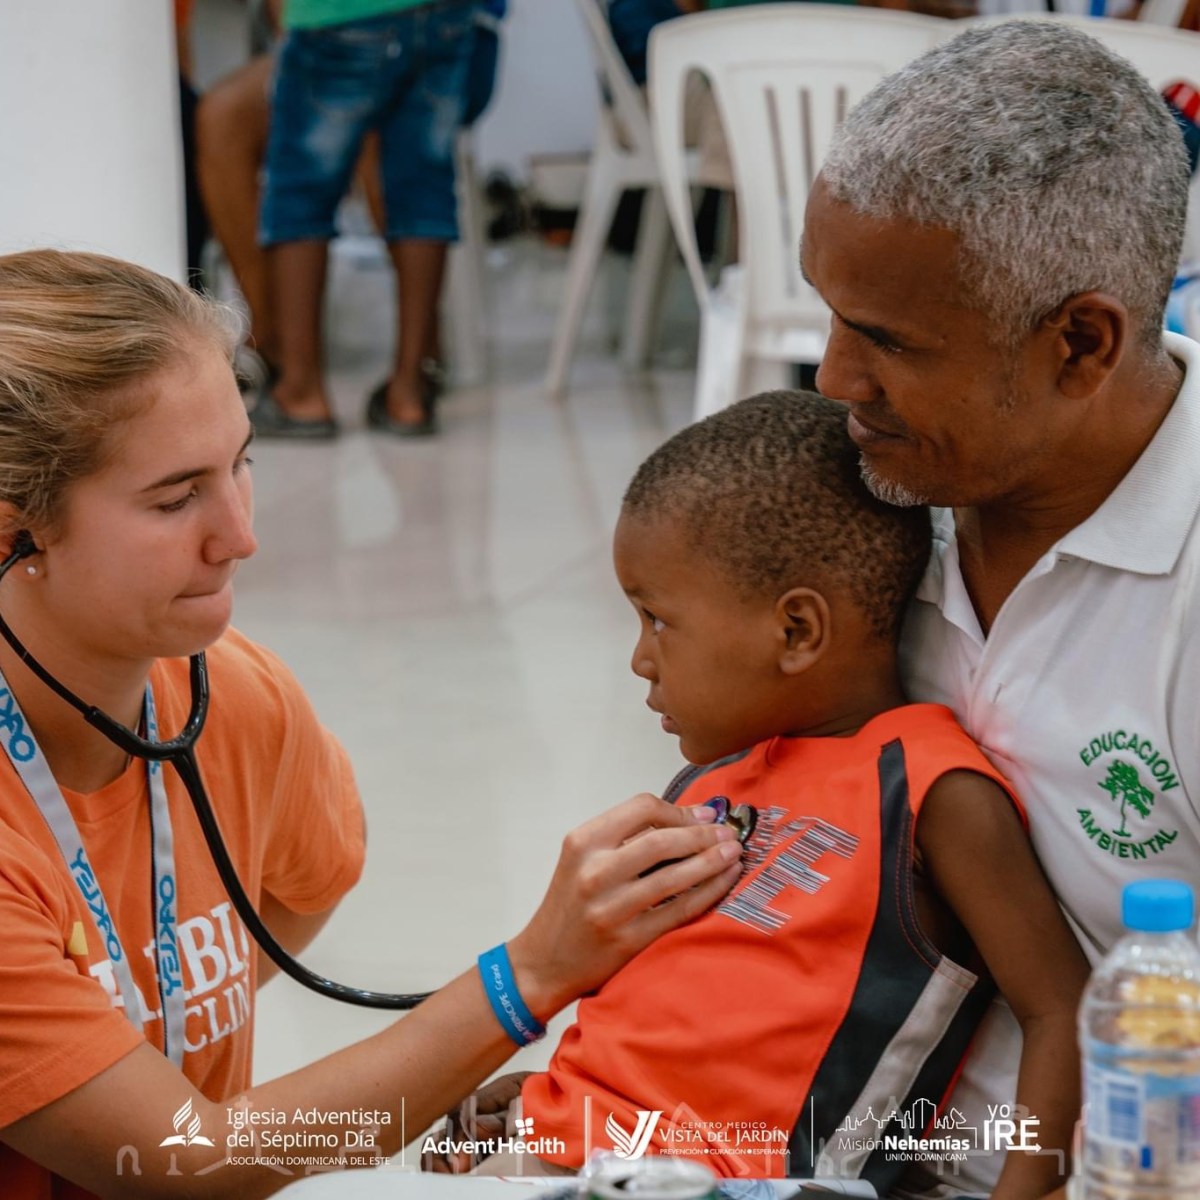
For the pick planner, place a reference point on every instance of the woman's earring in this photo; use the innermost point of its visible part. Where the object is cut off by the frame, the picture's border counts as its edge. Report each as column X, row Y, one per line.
column 31, row 569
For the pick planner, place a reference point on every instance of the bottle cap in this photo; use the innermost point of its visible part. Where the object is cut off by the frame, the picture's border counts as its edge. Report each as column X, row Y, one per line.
column 1157, row 906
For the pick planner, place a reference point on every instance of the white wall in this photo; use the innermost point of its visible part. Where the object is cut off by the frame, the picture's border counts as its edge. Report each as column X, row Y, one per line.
column 546, row 98
column 89, row 133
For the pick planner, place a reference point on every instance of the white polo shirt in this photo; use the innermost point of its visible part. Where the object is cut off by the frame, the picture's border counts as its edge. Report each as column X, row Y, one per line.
column 1085, row 693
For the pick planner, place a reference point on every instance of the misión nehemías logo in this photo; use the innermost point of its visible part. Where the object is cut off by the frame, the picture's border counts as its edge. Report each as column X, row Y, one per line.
column 187, row 1128
column 632, row 1145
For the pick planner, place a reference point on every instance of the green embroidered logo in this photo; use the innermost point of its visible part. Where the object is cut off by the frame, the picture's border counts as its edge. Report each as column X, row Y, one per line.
column 1125, row 786
column 1128, row 793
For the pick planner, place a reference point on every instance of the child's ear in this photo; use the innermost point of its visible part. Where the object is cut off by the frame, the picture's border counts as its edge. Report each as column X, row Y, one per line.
column 802, row 622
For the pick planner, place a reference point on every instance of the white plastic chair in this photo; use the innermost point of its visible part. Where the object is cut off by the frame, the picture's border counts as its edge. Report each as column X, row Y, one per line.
column 1162, row 12
column 465, row 298
column 622, row 158
column 1161, row 53
column 783, row 77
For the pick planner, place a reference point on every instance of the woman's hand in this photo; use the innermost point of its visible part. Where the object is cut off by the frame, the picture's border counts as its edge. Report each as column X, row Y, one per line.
column 599, row 911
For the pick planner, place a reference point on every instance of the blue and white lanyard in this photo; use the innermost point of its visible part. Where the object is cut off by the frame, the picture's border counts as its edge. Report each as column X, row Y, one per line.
column 26, row 756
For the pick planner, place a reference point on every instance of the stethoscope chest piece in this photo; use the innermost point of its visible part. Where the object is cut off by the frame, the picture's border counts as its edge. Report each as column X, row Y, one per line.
column 741, row 818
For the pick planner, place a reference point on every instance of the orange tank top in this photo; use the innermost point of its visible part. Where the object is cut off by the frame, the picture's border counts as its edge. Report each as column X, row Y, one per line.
column 806, row 1018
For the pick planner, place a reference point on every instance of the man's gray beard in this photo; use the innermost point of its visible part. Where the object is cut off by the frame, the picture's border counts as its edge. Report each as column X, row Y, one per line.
column 886, row 490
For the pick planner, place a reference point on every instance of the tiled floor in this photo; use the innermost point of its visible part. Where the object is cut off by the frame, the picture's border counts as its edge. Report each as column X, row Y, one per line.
column 450, row 607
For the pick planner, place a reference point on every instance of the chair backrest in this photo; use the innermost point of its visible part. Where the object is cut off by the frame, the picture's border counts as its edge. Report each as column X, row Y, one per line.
column 1161, row 54
column 624, row 107
column 783, row 77
column 1162, row 12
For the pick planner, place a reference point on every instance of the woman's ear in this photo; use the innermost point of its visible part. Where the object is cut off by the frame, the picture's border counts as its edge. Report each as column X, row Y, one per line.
column 802, row 626
column 13, row 535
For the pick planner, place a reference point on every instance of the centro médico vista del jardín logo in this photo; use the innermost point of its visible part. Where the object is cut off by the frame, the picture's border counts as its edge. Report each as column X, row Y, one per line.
column 1136, row 775
column 632, row 1145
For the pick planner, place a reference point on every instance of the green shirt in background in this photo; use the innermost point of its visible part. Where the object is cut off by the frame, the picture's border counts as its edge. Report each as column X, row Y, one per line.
column 315, row 14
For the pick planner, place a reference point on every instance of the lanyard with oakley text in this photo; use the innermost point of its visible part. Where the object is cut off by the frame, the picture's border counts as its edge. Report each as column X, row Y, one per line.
column 30, row 763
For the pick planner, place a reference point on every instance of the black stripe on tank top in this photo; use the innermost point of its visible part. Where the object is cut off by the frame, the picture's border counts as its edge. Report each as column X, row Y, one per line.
column 939, row 1072
column 890, row 982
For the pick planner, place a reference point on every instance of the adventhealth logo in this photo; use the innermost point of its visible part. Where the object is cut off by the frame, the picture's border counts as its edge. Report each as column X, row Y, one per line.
column 632, row 1145
column 1134, row 767
column 477, row 1147
column 187, row 1129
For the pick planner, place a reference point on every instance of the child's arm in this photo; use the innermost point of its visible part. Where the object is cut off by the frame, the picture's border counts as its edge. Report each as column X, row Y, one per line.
column 975, row 853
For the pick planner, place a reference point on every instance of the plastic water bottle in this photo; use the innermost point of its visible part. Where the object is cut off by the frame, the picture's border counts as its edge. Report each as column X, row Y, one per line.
column 1140, row 1036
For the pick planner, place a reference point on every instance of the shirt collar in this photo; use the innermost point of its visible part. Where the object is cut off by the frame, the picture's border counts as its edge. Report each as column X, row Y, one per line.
column 932, row 583
column 1143, row 524
column 942, row 584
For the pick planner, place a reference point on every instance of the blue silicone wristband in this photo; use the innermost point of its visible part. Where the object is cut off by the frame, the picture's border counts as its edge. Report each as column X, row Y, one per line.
column 501, row 988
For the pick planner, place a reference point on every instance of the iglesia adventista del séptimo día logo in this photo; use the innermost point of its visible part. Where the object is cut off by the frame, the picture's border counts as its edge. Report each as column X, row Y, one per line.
column 1135, row 775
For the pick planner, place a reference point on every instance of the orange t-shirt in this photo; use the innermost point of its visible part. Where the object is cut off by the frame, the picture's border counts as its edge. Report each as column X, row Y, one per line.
column 289, row 811
column 752, row 1036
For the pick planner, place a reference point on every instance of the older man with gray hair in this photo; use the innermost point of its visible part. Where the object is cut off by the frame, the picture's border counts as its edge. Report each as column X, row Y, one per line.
column 996, row 230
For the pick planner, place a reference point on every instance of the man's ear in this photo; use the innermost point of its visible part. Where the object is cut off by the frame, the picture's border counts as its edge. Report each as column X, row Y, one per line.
column 1090, row 332
column 802, row 627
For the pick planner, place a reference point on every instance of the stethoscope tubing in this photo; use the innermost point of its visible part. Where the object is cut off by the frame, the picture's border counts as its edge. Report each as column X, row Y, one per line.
column 188, row 770
column 180, row 752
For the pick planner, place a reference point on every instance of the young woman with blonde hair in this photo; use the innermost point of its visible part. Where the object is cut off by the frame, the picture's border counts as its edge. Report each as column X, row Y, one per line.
column 123, row 464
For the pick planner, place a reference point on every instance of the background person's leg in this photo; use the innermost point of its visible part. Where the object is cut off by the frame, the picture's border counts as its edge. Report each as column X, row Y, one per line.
column 297, row 284
column 328, row 92
column 417, row 164
column 420, row 269
column 367, row 181
column 231, row 133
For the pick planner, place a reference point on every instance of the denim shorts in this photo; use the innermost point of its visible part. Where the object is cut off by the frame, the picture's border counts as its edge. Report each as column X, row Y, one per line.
column 403, row 74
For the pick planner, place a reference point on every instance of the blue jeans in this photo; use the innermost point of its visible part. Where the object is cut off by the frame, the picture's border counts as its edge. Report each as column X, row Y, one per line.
column 403, row 74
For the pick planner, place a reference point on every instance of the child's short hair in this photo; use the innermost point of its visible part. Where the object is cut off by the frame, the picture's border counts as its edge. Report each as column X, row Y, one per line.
column 770, row 491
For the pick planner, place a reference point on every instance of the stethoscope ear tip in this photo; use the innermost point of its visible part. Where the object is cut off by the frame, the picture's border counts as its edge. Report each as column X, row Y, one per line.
column 22, row 547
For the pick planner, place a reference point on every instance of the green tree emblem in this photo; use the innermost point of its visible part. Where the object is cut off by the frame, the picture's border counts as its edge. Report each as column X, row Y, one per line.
column 1125, row 785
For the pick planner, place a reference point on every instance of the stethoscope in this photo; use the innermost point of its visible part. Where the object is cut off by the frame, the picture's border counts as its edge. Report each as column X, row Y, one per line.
column 180, row 752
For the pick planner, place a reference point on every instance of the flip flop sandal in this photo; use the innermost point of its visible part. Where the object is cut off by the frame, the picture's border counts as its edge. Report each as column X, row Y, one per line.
column 378, row 417
column 270, row 421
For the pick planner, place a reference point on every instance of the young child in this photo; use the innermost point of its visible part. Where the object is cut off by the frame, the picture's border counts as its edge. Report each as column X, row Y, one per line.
column 888, row 886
